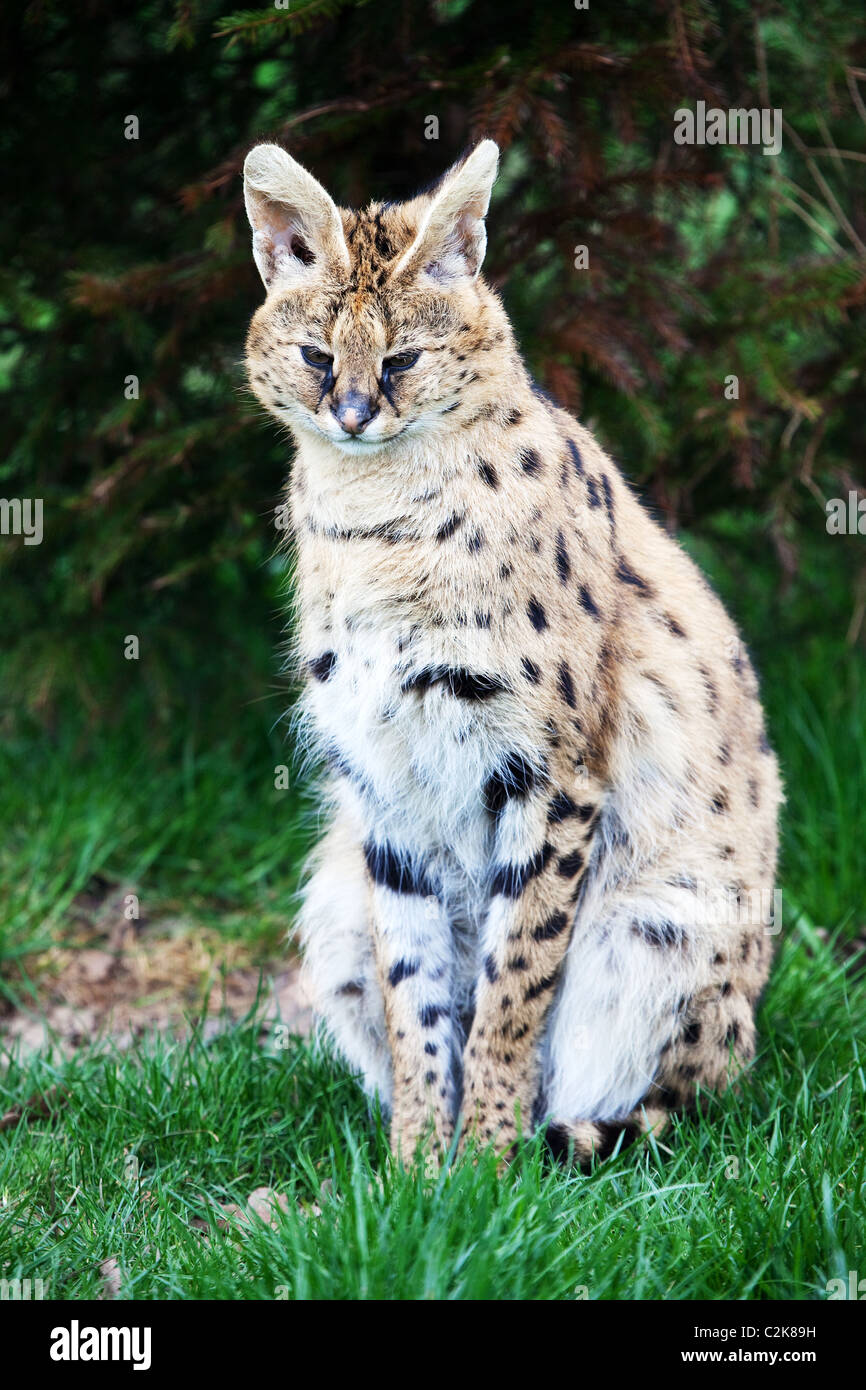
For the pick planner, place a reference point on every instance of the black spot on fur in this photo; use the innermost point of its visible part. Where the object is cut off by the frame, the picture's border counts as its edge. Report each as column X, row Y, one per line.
column 570, row 864
column 488, row 473
column 382, row 242
column 658, row 934
column 509, row 880
column 514, row 778
column 530, row 670
column 561, row 807
column 540, row 987
column 608, row 496
column 664, row 1095
column 587, row 602
column 719, row 803
column 537, row 615
column 592, row 490
column 712, row 691
column 490, row 969
column 403, row 970
column 462, row 684
column 673, row 626
column 475, row 542
column 448, row 527
column 625, row 573
column 563, row 564
column 322, row 666
column 553, row 927
column 388, row 531
column 431, row 1049
column 430, row 1015
column 391, row 869
column 529, row 461
column 566, row 685
column 575, row 458
column 609, row 1132
column 560, row 1142
column 692, row 1034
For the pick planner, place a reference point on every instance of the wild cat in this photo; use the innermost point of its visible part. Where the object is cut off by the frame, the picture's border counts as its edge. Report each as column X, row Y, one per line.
column 544, row 893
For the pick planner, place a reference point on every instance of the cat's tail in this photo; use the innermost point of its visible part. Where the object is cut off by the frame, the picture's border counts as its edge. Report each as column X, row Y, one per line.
column 579, row 1141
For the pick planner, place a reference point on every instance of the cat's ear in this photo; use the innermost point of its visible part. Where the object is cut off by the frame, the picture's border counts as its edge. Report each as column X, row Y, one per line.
column 452, row 238
column 296, row 225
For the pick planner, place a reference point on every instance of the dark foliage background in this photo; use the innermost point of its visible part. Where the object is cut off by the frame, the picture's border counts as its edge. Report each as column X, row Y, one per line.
column 131, row 256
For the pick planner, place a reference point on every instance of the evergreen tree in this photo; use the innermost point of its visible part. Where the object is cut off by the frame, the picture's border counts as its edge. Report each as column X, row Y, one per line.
column 642, row 275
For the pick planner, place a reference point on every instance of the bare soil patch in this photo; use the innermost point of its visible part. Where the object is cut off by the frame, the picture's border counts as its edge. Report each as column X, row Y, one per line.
column 115, row 978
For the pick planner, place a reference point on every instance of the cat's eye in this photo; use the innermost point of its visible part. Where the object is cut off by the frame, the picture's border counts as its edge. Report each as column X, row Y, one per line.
column 315, row 357
column 401, row 361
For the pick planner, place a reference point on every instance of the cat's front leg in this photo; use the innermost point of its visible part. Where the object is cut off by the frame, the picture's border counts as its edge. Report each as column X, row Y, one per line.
column 543, row 844
column 414, row 955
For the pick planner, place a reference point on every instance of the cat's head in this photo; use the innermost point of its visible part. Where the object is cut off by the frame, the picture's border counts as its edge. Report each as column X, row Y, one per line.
column 375, row 322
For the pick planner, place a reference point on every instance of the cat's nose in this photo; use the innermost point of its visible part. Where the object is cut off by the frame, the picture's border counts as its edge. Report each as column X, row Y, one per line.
column 355, row 411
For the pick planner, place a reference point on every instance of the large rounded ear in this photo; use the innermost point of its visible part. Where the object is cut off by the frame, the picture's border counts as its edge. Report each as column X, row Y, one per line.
column 452, row 238
column 296, row 225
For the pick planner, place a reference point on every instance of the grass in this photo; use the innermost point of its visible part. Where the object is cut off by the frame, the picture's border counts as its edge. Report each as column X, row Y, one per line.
column 761, row 1198
column 814, row 692
column 197, row 826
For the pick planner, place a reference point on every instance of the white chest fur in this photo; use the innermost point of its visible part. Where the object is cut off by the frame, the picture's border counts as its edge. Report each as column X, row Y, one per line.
column 416, row 756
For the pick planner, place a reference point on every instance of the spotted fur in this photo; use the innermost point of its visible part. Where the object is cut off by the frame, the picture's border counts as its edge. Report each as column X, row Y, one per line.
column 544, row 893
